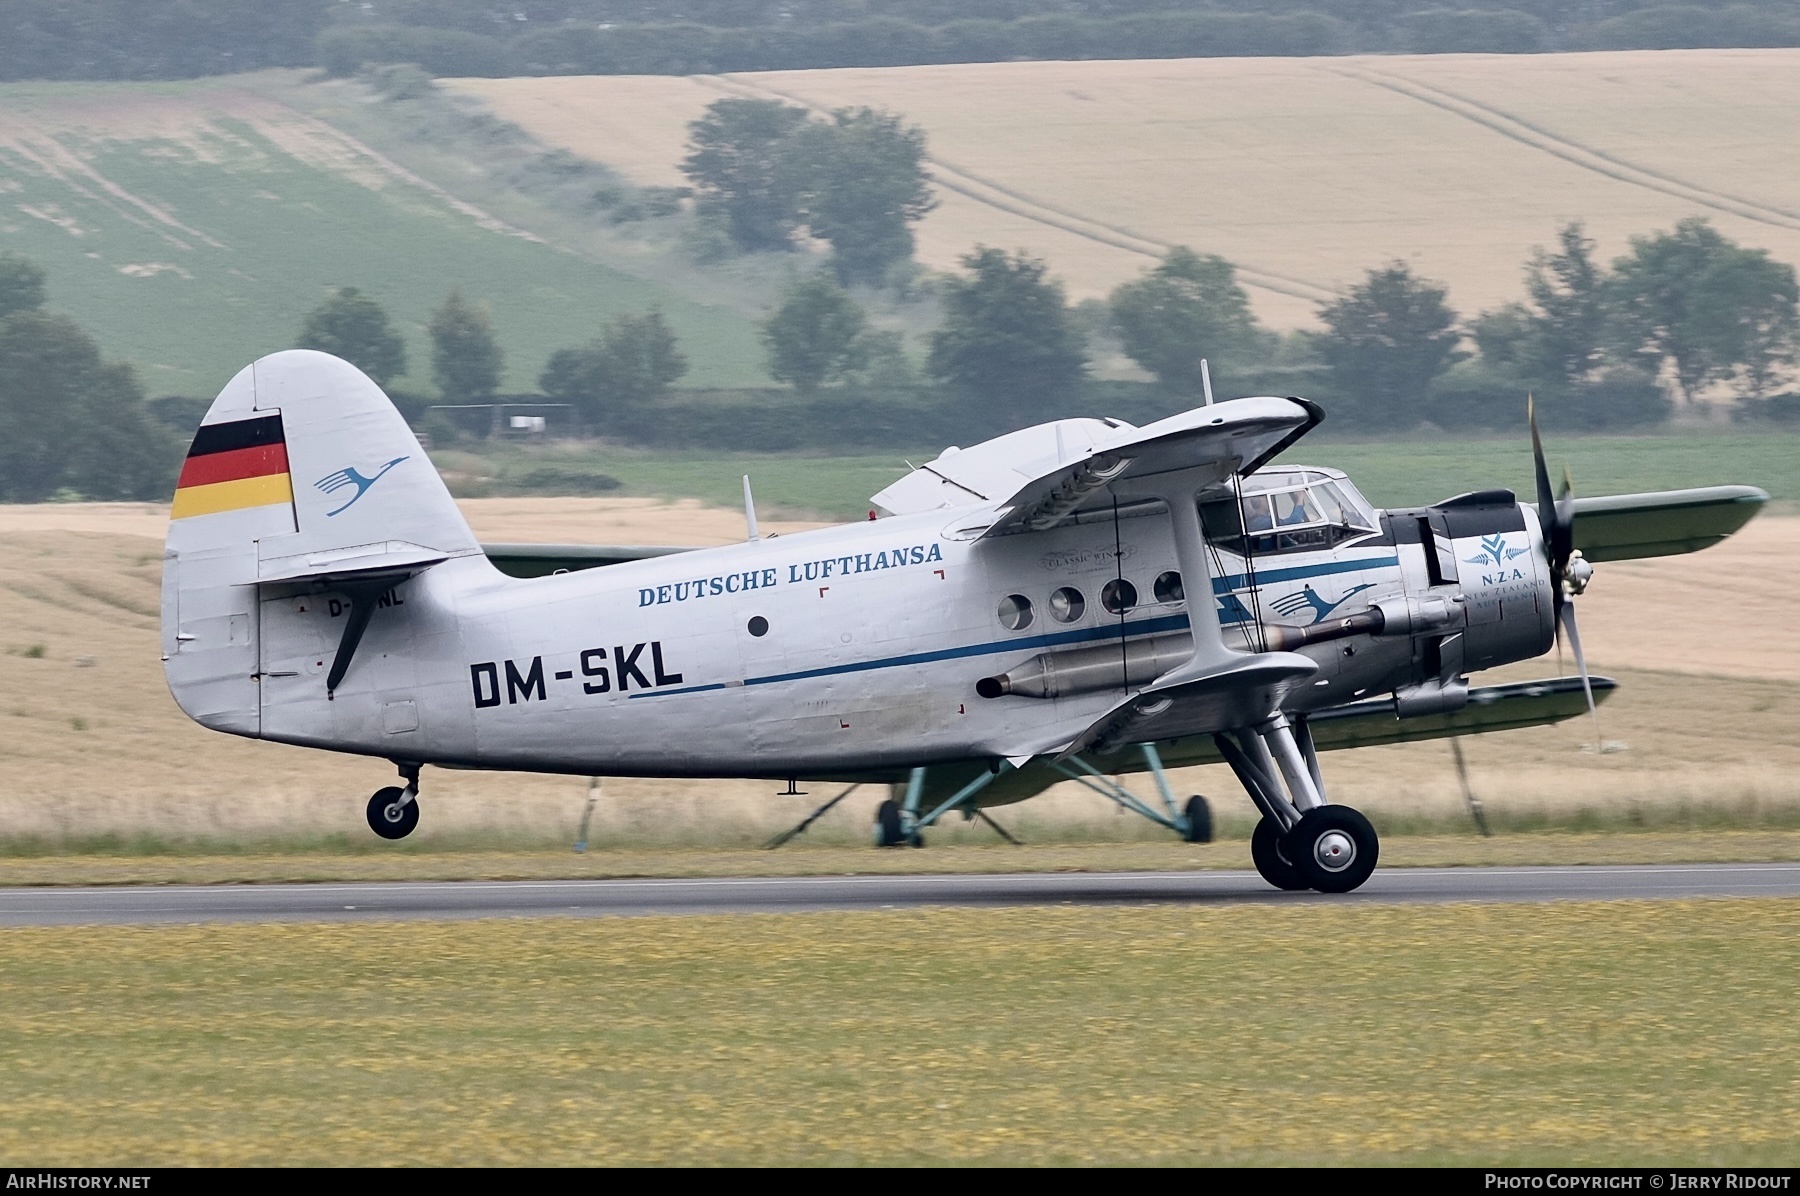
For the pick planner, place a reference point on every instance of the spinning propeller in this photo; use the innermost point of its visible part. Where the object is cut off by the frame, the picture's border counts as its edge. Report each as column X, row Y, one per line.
column 1570, row 572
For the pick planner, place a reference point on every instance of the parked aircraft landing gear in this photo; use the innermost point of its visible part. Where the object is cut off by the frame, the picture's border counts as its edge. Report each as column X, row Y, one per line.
column 890, row 827
column 394, row 812
column 1198, row 827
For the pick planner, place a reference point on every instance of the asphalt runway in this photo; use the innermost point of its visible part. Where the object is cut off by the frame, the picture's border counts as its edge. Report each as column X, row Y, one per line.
column 740, row 895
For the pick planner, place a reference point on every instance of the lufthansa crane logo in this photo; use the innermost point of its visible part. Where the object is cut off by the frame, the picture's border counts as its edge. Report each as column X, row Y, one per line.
column 331, row 483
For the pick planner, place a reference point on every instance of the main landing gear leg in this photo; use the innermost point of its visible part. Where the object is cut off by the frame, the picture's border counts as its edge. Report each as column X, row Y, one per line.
column 1302, row 841
column 394, row 812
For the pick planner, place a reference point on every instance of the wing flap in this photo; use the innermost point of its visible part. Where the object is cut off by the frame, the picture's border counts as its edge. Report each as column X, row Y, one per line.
column 1621, row 527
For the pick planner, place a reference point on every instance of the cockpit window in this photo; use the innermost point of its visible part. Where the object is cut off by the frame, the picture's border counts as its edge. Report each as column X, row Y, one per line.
column 1289, row 511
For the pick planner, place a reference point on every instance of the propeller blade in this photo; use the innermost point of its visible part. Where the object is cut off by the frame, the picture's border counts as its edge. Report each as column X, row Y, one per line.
column 1462, row 774
column 1567, row 617
column 1546, row 501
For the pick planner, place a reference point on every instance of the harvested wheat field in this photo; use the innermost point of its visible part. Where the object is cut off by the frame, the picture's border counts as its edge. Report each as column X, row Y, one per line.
column 91, row 744
column 1304, row 172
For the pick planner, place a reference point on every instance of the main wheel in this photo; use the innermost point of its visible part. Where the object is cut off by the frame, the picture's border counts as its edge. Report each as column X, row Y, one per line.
column 1265, row 850
column 1199, row 820
column 388, row 818
column 1334, row 848
column 887, row 825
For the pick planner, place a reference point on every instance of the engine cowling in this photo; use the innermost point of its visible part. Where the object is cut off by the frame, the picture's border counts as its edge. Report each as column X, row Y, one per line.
column 1483, row 554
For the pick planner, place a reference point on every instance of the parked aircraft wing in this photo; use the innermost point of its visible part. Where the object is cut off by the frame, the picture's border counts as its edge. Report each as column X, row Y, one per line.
column 1233, row 438
column 1619, row 527
column 541, row 560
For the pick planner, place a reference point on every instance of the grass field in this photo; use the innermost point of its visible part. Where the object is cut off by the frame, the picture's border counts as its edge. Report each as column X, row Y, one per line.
column 191, row 225
column 1304, row 172
column 1621, row 1034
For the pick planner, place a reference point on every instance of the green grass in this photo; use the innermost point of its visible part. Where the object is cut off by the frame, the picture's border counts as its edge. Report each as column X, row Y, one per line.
column 1607, row 1034
column 267, row 235
column 1424, row 471
column 1407, row 473
column 147, row 859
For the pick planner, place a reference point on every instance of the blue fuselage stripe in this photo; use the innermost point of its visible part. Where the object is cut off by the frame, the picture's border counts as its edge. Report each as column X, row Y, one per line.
column 1269, row 577
column 1156, row 626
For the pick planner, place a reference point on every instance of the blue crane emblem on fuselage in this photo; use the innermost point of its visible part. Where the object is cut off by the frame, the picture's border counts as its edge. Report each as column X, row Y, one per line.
column 1293, row 604
column 1495, row 552
column 331, row 483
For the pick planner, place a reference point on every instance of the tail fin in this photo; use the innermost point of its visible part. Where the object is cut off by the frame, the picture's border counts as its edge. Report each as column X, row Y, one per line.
column 301, row 467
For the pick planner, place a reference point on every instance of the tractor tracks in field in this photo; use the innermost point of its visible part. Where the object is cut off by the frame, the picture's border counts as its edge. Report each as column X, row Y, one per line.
column 1558, row 145
column 985, row 191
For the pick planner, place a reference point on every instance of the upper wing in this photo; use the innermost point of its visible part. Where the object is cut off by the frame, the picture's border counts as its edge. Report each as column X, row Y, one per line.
column 1233, row 438
column 1042, row 474
column 1619, row 527
column 540, row 560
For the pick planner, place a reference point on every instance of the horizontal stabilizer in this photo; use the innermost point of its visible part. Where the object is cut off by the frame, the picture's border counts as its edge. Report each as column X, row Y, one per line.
column 394, row 557
column 1621, row 527
column 541, row 560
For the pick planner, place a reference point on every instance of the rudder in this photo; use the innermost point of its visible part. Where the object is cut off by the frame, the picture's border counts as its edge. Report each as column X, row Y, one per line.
column 301, row 467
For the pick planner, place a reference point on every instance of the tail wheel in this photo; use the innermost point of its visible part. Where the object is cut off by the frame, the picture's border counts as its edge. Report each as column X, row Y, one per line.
column 1199, row 820
column 1265, row 850
column 388, row 817
column 1334, row 848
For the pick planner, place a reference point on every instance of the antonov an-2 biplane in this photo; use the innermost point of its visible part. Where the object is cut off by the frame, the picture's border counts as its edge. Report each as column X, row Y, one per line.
column 1076, row 600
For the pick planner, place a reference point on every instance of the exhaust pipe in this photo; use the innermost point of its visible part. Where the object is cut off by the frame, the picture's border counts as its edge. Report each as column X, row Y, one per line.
column 1083, row 670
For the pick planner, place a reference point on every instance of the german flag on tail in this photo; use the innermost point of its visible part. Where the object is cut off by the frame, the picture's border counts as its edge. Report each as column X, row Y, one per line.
column 233, row 466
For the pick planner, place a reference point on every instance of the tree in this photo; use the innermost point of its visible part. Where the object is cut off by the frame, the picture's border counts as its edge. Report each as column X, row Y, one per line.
column 465, row 359
column 739, row 165
column 817, row 336
column 354, row 327
column 1386, row 340
column 1568, row 292
column 862, row 188
column 1007, row 338
column 1185, row 308
column 1707, row 309
column 70, row 421
column 633, row 362
column 21, row 285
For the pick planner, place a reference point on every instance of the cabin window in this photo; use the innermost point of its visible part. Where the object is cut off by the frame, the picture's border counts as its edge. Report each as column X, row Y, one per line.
column 1168, row 588
column 1067, row 604
column 1119, row 596
column 1015, row 612
column 759, row 626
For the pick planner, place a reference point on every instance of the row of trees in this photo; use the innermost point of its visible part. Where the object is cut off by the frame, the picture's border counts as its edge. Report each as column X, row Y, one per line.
column 466, row 358
column 72, row 424
column 765, row 171
column 171, row 39
column 679, row 45
column 1685, row 310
